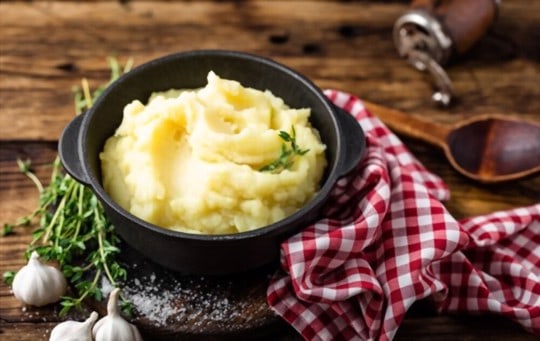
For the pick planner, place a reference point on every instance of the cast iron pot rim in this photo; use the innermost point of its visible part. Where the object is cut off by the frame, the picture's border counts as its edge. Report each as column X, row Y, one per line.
column 272, row 229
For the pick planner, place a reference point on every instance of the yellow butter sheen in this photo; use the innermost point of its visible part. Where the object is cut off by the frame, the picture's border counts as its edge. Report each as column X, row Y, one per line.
column 190, row 160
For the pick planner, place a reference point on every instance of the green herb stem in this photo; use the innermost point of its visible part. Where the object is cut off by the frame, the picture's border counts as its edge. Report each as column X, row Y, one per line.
column 104, row 257
column 24, row 166
column 288, row 153
column 57, row 216
column 79, row 214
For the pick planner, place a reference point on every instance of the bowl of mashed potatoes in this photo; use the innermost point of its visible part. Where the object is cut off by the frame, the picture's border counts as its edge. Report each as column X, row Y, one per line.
column 205, row 161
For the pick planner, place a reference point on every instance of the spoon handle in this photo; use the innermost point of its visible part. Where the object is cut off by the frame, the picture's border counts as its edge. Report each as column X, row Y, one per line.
column 409, row 125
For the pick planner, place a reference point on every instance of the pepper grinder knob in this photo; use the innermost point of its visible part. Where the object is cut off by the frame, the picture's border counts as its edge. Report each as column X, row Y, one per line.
column 432, row 32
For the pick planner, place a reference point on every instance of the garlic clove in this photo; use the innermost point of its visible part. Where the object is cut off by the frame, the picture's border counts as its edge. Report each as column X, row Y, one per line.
column 38, row 284
column 113, row 327
column 73, row 330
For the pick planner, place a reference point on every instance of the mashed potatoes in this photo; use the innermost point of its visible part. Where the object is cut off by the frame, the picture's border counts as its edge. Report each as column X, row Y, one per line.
column 194, row 160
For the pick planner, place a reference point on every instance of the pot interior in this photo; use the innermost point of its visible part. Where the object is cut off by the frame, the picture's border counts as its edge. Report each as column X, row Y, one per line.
column 189, row 70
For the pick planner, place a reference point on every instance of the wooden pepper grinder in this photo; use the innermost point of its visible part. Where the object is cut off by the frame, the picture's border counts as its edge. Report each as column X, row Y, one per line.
column 432, row 32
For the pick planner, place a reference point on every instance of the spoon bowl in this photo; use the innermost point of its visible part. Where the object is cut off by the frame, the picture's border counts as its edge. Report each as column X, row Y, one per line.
column 495, row 148
column 486, row 148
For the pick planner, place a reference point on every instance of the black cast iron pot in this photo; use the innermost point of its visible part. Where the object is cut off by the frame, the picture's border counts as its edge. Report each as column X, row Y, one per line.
column 83, row 139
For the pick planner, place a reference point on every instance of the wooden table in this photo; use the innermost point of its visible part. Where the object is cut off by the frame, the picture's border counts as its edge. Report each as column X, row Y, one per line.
column 48, row 46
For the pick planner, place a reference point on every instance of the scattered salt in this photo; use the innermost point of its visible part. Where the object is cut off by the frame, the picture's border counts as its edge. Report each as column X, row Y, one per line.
column 169, row 300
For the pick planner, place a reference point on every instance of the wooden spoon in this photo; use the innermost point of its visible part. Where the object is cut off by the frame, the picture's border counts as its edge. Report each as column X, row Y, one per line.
column 487, row 148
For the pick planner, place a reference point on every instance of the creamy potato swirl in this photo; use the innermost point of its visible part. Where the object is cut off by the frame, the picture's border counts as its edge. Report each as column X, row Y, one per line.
column 191, row 159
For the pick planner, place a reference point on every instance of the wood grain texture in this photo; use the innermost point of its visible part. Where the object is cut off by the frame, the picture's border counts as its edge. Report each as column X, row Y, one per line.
column 46, row 47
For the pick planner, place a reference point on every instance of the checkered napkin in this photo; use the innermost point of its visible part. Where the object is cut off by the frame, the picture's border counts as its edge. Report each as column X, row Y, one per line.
column 387, row 241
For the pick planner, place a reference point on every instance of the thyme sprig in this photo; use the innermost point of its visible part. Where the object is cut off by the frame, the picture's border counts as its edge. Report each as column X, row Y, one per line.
column 73, row 230
column 289, row 151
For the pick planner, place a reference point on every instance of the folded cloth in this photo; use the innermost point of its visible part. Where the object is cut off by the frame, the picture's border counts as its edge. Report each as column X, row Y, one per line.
column 386, row 241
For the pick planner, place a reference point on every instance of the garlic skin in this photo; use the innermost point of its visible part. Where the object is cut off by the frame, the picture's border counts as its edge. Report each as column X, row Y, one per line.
column 113, row 327
column 73, row 330
column 38, row 284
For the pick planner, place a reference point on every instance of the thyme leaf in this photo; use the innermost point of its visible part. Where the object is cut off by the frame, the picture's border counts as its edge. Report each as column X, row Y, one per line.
column 289, row 151
column 7, row 230
column 8, row 277
column 73, row 229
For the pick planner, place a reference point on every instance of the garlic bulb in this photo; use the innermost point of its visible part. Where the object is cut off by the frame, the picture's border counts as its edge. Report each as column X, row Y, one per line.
column 38, row 284
column 113, row 327
column 73, row 330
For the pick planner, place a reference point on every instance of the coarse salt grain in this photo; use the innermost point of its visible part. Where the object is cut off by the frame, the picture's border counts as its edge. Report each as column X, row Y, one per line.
column 154, row 307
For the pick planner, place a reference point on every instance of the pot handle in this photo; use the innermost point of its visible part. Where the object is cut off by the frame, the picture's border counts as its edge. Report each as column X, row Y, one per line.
column 69, row 152
column 353, row 139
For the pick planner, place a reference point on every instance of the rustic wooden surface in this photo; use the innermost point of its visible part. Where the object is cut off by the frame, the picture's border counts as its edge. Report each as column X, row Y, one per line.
column 46, row 47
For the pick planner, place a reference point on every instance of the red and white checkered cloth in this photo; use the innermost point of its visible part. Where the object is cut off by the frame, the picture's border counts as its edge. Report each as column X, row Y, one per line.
column 388, row 241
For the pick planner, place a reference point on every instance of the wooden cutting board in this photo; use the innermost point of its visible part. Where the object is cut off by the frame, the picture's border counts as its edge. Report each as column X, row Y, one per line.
column 170, row 305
